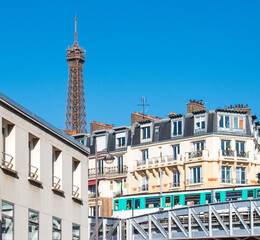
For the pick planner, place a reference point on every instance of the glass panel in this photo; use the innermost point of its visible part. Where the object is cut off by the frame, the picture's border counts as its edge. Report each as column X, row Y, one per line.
column 128, row 204
column 233, row 196
column 116, row 205
column 176, row 200
column 167, row 201
column 152, row 202
column 137, row 203
column 56, row 229
column 250, row 194
column 221, row 123
column 174, row 128
column 241, row 123
column 227, row 122
column 148, row 132
column 33, row 225
column 235, row 122
column 179, row 127
column 208, row 198
column 7, row 221
column 192, row 199
column 75, row 231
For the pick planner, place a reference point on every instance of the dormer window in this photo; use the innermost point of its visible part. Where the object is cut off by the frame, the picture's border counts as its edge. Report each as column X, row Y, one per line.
column 224, row 121
column 120, row 142
column 146, row 133
column 238, row 123
column 200, row 123
column 177, row 127
column 120, row 139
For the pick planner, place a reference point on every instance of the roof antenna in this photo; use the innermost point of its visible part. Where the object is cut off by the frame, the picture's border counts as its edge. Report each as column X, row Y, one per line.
column 76, row 34
column 143, row 104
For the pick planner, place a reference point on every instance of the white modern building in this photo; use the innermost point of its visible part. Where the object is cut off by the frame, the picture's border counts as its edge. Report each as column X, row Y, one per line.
column 43, row 178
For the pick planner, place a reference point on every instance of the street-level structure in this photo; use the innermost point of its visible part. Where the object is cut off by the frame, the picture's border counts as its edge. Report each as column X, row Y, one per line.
column 43, row 178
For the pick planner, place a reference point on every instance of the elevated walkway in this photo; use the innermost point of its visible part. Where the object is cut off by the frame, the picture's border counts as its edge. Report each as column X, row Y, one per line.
column 231, row 220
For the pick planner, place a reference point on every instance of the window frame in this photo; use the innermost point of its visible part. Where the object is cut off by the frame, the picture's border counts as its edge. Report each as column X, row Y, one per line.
column 178, row 133
column 146, row 139
column 55, row 229
column 200, row 116
column 33, row 223
column 225, row 170
column 73, row 236
column 8, row 217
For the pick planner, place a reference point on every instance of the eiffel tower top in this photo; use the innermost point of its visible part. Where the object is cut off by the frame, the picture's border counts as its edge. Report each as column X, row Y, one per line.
column 75, row 51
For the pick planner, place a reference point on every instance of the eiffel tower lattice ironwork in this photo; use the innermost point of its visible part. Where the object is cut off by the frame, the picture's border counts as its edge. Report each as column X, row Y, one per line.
column 75, row 121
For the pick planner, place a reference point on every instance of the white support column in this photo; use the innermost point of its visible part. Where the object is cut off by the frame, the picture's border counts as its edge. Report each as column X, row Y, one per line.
column 210, row 221
column 104, row 227
column 150, row 227
column 169, row 224
column 230, row 219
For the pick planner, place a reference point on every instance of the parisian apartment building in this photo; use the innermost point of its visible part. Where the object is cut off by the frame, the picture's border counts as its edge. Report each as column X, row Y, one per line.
column 43, row 178
column 201, row 149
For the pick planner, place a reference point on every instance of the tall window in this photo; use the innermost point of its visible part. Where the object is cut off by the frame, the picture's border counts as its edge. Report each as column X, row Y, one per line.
column 176, row 179
column 226, row 148
column 75, row 231
column 56, row 169
column 200, row 124
column 238, row 123
column 146, row 132
column 240, row 148
column 56, row 228
column 144, row 183
column 7, row 221
column 240, row 175
column 76, row 178
column 34, row 157
column 145, row 156
column 224, row 121
column 195, row 175
column 177, row 128
column 120, row 142
column 120, row 164
column 175, row 151
column 33, row 225
column 118, row 190
column 226, row 174
column 101, row 166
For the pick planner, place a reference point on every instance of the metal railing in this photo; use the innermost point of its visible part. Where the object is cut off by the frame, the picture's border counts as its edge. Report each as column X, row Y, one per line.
column 56, row 182
column 194, row 181
column 157, row 160
column 75, row 191
column 195, row 154
column 174, row 185
column 144, row 188
column 226, row 180
column 231, row 153
column 7, row 161
column 242, row 154
column 241, row 181
column 108, row 171
column 33, row 172
column 227, row 153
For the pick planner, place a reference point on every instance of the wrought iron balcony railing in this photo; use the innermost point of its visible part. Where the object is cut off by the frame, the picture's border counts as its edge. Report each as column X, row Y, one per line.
column 158, row 160
column 195, row 154
column 194, row 181
column 242, row 154
column 241, row 181
column 227, row 153
column 108, row 171
column 174, row 185
column 226, row 180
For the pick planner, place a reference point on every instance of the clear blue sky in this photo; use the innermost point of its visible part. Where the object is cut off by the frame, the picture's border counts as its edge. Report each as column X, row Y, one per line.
column 169, row 51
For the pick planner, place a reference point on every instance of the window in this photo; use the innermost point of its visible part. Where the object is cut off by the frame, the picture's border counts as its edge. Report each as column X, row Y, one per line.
column 176, row 200
column 33, row 225
column 152, row 202
column 146, row 132
column 76, row 178
column 192, row 199
column 7, row 221
column 167, row 201
column 8, row 151
column 200, row 124
column 120, row 164
column 144, row 183
column 226, row 148
column 75, row 231
column 56, row 228
column 177, row 128
column 175, row 151
column 240, row 148
column 145, row 155
column 208, row 198
column 250, row 194
column 176, row 179
column 34, row 157
column 116, row 205
column 56, row 169
column 92, row 211
column 120, row 142
column 240, row 175
column 195, row 175
column 137, row 203
column 225, row 174
column 233, row 196
column 198, row 148
column 100, row 166
column 224, row 121
column 118, row 190
column 128, row 204
column 238, row 123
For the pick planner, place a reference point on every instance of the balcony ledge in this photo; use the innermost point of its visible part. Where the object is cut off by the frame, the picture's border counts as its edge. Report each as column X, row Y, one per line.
column 77, row 200
column 9, row 171
column 34, row 181
column 56, row 190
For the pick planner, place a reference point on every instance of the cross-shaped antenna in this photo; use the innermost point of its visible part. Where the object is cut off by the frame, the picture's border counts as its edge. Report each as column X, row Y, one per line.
column 143, row 104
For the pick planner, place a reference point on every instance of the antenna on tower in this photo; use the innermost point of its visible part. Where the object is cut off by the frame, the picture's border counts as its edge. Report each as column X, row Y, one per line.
column 76, row 33
column 143, row 100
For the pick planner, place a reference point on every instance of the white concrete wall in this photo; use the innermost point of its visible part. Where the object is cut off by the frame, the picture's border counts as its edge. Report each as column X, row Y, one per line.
column 19, row 191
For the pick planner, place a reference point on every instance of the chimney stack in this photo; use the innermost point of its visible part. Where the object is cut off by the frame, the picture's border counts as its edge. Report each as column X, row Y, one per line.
column 194, row 106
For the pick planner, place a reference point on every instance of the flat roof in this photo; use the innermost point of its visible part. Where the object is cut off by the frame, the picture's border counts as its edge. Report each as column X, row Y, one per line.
column 41, row 121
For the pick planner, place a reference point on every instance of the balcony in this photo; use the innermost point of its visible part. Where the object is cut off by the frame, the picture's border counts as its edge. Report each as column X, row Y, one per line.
column 174, row 185
column 227, row 153
column 234, row 181
column 156, row 161
column 144, row 188
column 233, row 154
column 204, row 154
column 194, row 181
column 7, row 163
column 108, row 171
